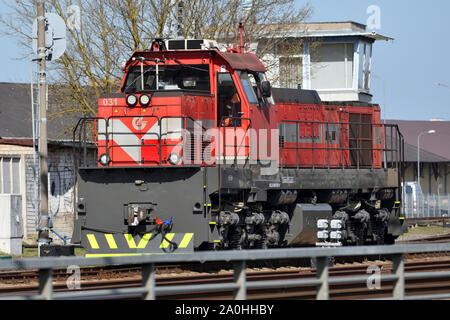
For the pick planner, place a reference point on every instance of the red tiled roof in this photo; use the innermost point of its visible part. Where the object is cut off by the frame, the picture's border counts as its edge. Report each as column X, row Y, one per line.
column 27, row 142
column 17, row 142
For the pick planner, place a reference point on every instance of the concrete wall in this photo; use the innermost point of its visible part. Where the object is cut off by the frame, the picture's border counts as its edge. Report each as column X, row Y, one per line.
column 60, row 196
column 428, row 181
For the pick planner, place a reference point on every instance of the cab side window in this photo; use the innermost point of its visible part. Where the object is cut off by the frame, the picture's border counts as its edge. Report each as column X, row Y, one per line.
column 228, row 102
column 252, row 84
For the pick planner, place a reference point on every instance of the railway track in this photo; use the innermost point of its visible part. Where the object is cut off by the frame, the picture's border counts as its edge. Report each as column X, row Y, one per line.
column 442, row 238
column 341, row 291
column 89, row 273
column 23, row 277
column 25, row 282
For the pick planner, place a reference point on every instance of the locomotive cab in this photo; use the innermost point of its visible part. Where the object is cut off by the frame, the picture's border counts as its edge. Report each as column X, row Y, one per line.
column 177, row 107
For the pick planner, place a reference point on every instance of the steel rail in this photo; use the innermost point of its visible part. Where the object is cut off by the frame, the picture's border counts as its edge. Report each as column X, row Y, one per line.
column 228, row 256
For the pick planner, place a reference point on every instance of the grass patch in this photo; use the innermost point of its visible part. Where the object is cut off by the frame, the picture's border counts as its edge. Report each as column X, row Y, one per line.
column 4, row 254
column 428, row 230
column 33, row 253
column 80, row 251
column 30, row 253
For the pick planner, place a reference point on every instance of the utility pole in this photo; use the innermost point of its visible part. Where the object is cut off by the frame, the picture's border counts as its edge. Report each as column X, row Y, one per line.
column 418, row 153
column 44, row 237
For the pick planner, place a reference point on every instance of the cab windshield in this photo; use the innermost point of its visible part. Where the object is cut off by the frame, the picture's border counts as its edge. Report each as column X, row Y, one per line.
column 170, row 77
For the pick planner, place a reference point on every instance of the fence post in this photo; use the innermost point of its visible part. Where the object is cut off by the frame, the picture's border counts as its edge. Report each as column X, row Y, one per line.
column 46, row 283
column 398, row 269
column 148, row 281
column 322, row 275
column 240, row 279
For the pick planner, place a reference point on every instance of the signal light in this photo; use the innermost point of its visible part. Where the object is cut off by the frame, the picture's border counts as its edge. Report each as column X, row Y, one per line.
column 322, row 235
column 336, row 224
column 132, row 100
column 144, row 100
column 322, row 224
column 336, row 235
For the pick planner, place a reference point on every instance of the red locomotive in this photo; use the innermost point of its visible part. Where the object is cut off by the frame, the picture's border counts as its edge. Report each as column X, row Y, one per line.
column 198, row 137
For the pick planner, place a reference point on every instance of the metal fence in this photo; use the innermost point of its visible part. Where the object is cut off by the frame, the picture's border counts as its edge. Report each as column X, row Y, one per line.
column 426, row 206
column 149, row 290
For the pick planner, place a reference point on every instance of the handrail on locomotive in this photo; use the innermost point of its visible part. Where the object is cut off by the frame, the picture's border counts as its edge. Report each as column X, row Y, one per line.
column 393, row 152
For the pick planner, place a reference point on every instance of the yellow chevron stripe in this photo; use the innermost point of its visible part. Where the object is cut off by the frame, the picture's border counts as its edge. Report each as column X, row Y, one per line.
column 111, row 242
column 186, row 239
column 92, row 241
column 144, row 241
column 130, row 240
column 165, row 244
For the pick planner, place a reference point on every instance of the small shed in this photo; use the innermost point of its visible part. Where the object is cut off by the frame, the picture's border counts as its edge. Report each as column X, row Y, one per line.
column 17, row 162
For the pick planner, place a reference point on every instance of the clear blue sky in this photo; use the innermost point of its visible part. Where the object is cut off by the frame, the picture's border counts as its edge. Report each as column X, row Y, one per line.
column 419, row 55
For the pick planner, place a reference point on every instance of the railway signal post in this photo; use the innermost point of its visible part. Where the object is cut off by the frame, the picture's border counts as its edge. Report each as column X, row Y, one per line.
column 44, row 237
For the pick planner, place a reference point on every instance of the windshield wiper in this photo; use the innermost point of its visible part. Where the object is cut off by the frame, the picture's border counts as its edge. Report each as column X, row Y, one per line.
column 141, row 76
column 188, row 66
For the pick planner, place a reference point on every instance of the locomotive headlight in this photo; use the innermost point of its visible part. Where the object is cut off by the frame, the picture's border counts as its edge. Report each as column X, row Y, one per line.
column 105, row 159
column 174, row 158
column 132, row 100
column 144, row 100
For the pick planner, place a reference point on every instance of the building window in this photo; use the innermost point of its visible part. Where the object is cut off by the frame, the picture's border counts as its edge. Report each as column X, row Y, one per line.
column 291, row 72
column 9, row 175
column 332, row 66
column 365, row 66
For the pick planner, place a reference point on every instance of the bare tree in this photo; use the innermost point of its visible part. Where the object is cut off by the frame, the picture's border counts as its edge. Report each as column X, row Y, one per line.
column 111, row 30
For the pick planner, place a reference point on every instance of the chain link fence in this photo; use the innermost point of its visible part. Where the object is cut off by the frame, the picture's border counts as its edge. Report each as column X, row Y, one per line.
column 426, row 206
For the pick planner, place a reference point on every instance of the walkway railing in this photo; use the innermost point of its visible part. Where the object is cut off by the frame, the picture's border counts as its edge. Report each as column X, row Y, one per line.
column 240, row 286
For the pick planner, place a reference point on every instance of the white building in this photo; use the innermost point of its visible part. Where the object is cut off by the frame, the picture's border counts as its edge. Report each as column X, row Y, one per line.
column 17, row 169
column 336, row 60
